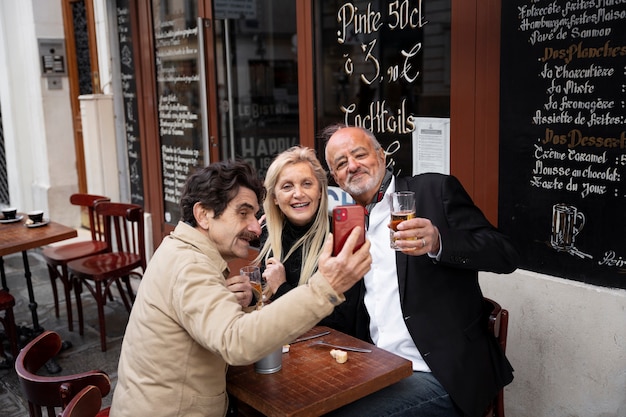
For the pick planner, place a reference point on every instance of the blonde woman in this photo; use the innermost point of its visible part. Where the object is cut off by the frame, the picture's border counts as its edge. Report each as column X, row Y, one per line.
column 296, row 225
column 296, row 219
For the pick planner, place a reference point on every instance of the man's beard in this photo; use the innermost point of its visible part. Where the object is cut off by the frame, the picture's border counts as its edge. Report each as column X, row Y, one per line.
column 361, row 186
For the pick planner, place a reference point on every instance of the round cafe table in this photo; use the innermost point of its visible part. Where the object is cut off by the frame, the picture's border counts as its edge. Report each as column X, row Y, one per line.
column 17, row 236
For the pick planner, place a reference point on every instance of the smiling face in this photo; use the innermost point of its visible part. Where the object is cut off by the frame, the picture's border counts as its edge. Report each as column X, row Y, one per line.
column 297, row 193
column 356, row 165
column 236, row 227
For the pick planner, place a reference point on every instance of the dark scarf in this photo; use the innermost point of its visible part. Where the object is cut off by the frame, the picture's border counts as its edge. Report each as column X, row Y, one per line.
column 379, row 196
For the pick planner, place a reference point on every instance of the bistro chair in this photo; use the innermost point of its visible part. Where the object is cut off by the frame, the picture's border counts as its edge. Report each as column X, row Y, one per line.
column 52, row 392
column 57, row 257
column 86, row 403
column 7, row 302
column 124, row 233
column 498, row 327
column 234, row 265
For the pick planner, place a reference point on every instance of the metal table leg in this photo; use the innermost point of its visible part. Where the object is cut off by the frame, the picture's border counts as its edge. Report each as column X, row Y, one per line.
column 3, row 275
column 31, row 294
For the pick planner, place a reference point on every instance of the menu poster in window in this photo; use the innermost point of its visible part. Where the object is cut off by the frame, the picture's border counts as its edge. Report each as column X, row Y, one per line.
column 385, row 61
column 178, row 92
column 563, row 137
column 129, row 97
column 431, row 145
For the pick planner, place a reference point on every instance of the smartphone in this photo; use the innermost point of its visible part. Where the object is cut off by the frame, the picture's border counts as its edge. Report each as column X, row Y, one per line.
column 346, row 218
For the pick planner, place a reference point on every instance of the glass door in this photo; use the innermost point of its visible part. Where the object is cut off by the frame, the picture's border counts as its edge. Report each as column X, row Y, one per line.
column 181, row 107
column 257, row 79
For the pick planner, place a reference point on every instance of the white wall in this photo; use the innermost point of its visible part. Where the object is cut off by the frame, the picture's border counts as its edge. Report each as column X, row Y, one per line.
column 37, row 120
column 103, row 45
column 18, row 66
column 567, row 343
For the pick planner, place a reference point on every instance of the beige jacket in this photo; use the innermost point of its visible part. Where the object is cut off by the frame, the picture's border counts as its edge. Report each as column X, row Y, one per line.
column 186, row 327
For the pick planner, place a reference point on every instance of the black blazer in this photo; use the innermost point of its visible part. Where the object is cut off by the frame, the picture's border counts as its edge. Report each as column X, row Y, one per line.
column 442, row 302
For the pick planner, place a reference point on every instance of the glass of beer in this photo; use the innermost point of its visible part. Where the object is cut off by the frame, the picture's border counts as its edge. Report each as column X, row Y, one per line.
column 402, row 208
column 256, row 280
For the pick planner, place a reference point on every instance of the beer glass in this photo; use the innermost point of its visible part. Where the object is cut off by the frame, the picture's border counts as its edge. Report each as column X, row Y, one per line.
column 567, row 222
column 402, row 208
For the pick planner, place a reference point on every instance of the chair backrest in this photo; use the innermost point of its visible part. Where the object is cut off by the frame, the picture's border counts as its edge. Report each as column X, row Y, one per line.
column 236, row 264
column 89, row 201
column 123, row 227
column 498, row 325
column 51, row 391
column 86, row 403
column 498, row 322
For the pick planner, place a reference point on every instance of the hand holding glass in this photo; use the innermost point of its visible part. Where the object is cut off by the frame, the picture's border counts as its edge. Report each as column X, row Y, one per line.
column 402, row 208
column 254, row 273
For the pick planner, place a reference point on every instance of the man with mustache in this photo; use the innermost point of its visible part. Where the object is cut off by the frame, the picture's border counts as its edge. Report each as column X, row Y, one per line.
column 424, row 302
column 189, row 321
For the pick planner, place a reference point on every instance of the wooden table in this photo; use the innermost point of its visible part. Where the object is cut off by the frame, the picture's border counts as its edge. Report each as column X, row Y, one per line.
column 16, row 237
column 312, row 383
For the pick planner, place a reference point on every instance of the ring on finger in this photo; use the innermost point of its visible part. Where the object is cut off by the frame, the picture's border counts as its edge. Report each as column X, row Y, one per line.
column 423, row 242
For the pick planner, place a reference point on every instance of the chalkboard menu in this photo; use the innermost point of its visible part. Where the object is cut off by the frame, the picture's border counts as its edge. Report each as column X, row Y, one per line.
column 178, row 94
column 129, row 97
column 384, row 65
column 563, row 137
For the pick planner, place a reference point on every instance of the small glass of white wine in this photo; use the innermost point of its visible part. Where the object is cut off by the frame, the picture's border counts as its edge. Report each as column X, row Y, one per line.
column 256, row 280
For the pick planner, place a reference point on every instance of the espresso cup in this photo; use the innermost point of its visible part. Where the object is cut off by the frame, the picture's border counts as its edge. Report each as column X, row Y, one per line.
column 36, row 216
column 9, row 213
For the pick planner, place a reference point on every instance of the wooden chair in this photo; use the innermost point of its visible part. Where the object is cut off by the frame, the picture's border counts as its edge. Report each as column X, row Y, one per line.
column 124, row 233
column 57, row 257
column 498, row 326
column 7, row 302
column 86, row 403
column 51, row 392
column 236, row 264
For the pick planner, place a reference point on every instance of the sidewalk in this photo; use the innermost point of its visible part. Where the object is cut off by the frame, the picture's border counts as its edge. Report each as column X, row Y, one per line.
column 85, row 353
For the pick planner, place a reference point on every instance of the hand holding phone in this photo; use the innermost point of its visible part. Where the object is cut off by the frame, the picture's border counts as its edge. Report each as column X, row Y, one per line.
column 346, row 218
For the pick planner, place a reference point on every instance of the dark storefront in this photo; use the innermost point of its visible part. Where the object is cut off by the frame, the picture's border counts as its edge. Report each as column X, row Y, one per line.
column 248, row 79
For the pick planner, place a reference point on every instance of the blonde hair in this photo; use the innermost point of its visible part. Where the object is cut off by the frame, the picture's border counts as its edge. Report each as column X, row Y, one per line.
column 313, row 239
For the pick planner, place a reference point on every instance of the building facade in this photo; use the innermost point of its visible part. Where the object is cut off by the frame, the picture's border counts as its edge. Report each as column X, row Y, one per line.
column 125, row 97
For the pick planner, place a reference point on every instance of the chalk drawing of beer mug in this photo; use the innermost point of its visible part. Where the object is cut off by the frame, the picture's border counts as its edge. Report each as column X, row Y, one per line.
column 567, row 222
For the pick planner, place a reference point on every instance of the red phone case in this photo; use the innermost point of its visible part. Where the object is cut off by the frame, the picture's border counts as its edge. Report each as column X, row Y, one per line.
column 346, row 218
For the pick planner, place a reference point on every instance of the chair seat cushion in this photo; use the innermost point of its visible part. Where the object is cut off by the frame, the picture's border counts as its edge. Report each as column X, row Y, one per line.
column 69, row 252
column 105, row 264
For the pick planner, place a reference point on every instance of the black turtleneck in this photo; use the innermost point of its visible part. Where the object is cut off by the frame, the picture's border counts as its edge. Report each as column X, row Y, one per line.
column 343, row 318
column 293, row 264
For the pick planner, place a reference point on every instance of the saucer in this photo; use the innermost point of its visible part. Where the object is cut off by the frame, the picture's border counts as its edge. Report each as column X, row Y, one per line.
column 16, row 219
column 33, row 225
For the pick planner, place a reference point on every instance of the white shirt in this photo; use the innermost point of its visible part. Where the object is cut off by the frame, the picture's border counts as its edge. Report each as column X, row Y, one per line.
column 382, row 297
